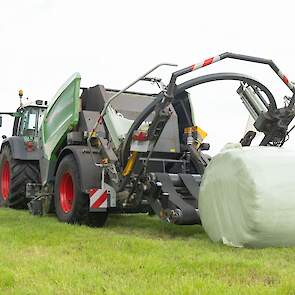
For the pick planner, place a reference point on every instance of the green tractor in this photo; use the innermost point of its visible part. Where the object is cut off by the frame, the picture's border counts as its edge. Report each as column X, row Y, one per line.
column 20, row 154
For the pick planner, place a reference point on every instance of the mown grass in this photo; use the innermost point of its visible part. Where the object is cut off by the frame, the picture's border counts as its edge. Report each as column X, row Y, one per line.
column 133, row 254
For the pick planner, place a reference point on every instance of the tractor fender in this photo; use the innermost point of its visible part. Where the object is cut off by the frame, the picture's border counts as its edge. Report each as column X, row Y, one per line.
column 90, row 174
column 18, row 149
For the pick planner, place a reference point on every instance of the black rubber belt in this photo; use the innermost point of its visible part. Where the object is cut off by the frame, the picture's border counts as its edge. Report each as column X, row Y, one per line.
column 192, row 186
column 190, row 215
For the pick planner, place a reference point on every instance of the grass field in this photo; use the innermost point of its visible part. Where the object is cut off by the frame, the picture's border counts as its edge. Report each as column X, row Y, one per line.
column 133, row 254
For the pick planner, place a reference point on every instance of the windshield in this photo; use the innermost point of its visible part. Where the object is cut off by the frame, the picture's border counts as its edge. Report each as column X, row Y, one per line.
column 30, row 122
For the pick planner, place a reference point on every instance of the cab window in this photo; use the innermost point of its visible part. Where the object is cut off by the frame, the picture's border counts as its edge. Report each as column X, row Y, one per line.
column 28, row 124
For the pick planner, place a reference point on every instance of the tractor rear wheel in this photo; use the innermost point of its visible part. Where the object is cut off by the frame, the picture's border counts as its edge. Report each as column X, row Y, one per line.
column 71, row 203
column 14, row 176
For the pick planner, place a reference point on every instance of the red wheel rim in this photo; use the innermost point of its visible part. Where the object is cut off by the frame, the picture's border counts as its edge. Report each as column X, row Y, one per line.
column 66, row 192
column 5, row 180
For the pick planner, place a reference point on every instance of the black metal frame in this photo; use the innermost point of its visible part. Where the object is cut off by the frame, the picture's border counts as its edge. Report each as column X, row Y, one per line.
column 273, row 66
column 274, row 123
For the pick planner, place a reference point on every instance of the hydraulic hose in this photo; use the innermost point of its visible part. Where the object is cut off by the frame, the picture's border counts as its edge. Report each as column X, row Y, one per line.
column 228, row 76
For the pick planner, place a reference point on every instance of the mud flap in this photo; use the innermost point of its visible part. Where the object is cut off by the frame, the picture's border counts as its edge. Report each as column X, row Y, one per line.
column 100, row 199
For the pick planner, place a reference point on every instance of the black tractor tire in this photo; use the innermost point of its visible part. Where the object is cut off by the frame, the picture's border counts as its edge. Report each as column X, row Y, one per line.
column 14, row 176
column 71, row 203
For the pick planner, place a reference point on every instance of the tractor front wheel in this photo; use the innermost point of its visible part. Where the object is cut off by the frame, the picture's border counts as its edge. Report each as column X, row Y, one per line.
column 14, row 176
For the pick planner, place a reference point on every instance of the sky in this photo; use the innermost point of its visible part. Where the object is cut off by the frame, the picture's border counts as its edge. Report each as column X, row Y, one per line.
column 112, row 42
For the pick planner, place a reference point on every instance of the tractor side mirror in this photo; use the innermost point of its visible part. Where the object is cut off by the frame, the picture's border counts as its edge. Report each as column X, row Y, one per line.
column 0, row 121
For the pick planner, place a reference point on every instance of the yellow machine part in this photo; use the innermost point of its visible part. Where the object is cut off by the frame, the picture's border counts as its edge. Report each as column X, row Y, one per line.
column 197, row 129
column 130, row 164
column 201, row 134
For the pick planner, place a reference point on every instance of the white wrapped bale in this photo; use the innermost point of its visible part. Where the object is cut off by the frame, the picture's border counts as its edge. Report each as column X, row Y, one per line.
column 247, row 197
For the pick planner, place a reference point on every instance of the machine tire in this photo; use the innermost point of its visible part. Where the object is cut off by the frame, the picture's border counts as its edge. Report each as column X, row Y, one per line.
column 71, row 203
column 14, row 175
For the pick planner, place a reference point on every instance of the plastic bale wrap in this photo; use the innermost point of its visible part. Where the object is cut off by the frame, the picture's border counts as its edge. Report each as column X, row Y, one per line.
column 247, row 197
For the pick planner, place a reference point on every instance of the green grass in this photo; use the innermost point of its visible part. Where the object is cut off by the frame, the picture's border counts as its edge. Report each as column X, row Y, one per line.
column 133, row 254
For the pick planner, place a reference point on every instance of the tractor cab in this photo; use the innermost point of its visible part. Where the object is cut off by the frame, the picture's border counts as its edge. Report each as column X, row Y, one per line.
column 28, row 120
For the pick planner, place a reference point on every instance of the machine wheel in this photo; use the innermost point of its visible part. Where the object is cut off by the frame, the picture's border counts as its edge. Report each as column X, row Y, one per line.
column 14, row 175
column 71, row 204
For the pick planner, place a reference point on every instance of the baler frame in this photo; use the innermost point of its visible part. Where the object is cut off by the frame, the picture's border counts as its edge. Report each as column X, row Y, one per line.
column 273, row 123
column 129, row 177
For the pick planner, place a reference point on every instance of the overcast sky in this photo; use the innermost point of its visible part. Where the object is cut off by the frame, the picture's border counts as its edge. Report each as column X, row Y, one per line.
column 112, row 42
